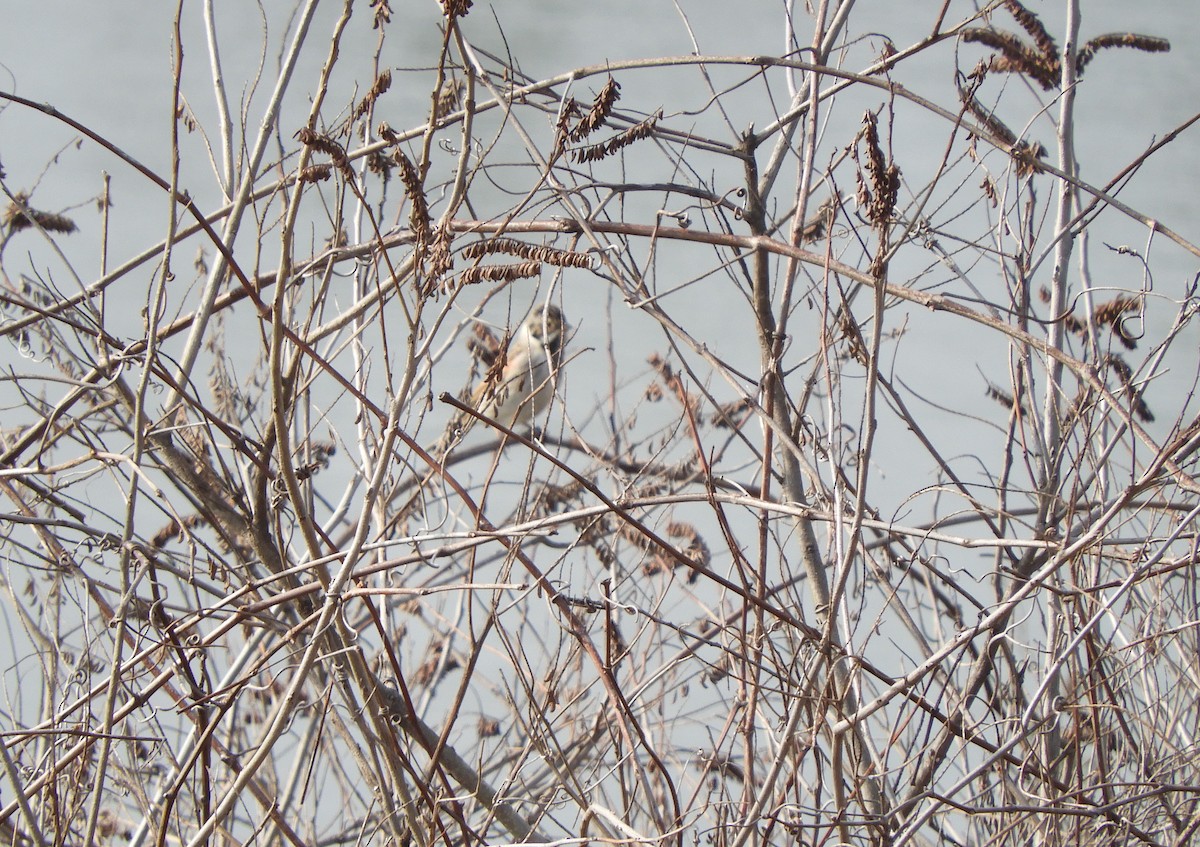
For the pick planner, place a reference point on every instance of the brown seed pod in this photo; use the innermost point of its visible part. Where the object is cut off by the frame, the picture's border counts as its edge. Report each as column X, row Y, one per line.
column 885, row 176
column 383, row 13
column 316, row 173
column 499, row 273
column 419, row 215
column 456, row 8
column 325, row 144
column 1015, row 56
column 635, row 133
column 20, row 215
column 1004, row 398
column 1145, row 43
column 602, row 107
column 532, row 252
column 1030, row 23
column 1112, row 313
column 382, row 83
column 1125, row 374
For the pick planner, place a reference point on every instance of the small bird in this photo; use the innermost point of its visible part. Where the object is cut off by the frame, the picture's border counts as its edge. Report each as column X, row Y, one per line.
column 519, row 384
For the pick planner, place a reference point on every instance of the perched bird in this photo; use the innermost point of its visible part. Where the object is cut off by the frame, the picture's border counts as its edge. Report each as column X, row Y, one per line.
column 519, row 384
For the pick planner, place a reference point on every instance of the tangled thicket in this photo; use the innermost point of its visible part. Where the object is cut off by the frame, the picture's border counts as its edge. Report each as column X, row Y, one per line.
column 858, row 516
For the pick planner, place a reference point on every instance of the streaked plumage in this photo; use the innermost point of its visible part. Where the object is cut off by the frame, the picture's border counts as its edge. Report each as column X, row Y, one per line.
column 523, row 387
column 520, row 383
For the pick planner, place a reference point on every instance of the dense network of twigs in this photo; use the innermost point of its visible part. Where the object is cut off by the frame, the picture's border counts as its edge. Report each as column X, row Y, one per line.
column 849, row 506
